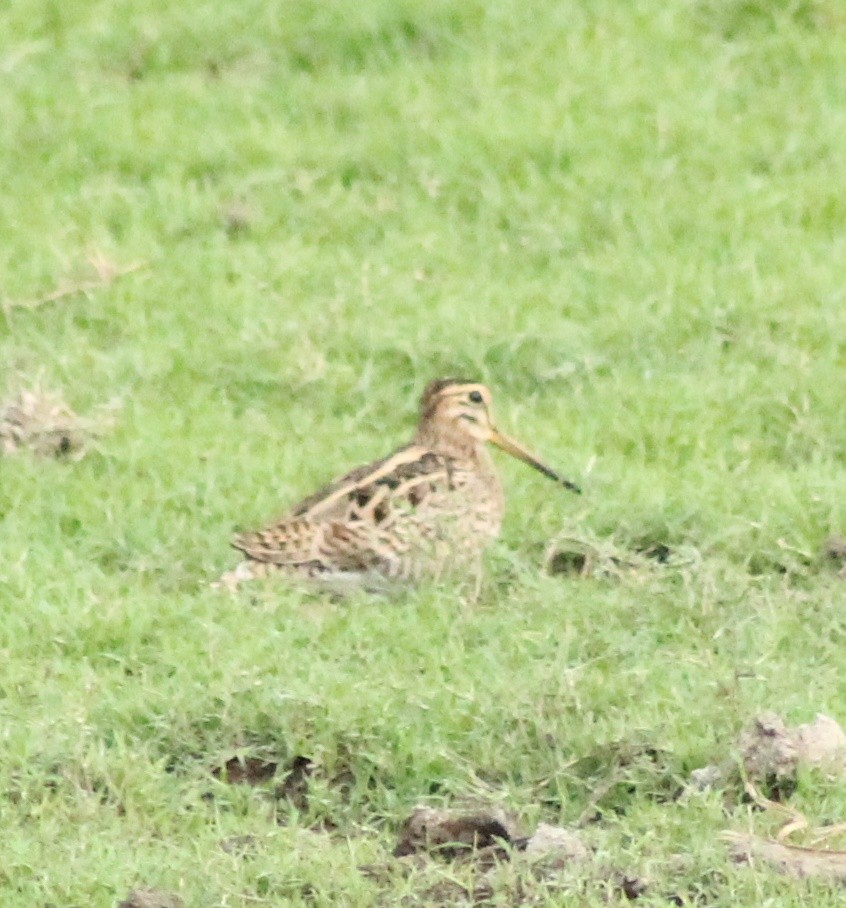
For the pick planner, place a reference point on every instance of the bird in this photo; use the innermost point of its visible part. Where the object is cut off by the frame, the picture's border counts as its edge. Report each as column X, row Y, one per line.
column 431, row 506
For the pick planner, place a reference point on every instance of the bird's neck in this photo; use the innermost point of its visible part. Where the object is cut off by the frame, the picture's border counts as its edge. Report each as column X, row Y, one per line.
column 450, row 441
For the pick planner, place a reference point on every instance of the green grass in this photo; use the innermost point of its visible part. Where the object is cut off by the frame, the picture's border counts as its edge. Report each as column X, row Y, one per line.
column 627, row 218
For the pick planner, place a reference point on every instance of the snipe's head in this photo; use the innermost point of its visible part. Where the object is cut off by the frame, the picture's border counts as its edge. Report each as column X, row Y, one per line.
column 455, row 418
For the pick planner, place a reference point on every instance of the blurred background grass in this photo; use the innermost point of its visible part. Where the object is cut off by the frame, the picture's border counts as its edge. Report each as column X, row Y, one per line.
column 628, row 219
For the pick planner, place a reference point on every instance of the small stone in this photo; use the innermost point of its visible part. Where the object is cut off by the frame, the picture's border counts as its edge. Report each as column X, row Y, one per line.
column 706, row 778
column 822, row 743
column 769, row 750
column 557, row 844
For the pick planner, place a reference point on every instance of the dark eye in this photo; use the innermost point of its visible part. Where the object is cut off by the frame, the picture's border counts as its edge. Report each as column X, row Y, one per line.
column 475, row 397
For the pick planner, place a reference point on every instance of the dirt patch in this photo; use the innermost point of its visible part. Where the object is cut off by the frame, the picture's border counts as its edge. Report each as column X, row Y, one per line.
column 769, row 755
column 835, row 553
column 557, row 842
column 238, row 217
column 632, row 559
column 450, row 834
column 654, row 551
column 772, row 754
column 476, row 857
column 570, row 562
column 822, row 743
column 241, row 770
column 238, row 844
column 151, row 898
column 790, row 860
column 609, row 558
column 258, row 771
column 573, row 557
column 295, row 787
column 42, row 422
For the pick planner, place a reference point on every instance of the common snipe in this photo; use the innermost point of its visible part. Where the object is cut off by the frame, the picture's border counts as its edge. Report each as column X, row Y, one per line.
column 432, row 505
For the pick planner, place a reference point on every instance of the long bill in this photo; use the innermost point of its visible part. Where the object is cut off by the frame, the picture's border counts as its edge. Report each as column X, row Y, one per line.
column 517, row 450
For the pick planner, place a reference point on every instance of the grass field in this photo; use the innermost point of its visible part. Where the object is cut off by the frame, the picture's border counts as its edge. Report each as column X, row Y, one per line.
column 627, row 218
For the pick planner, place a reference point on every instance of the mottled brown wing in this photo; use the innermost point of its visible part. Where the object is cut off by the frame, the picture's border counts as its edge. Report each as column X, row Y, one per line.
column 348, row 497
column 350, row 524
column 330, row 501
